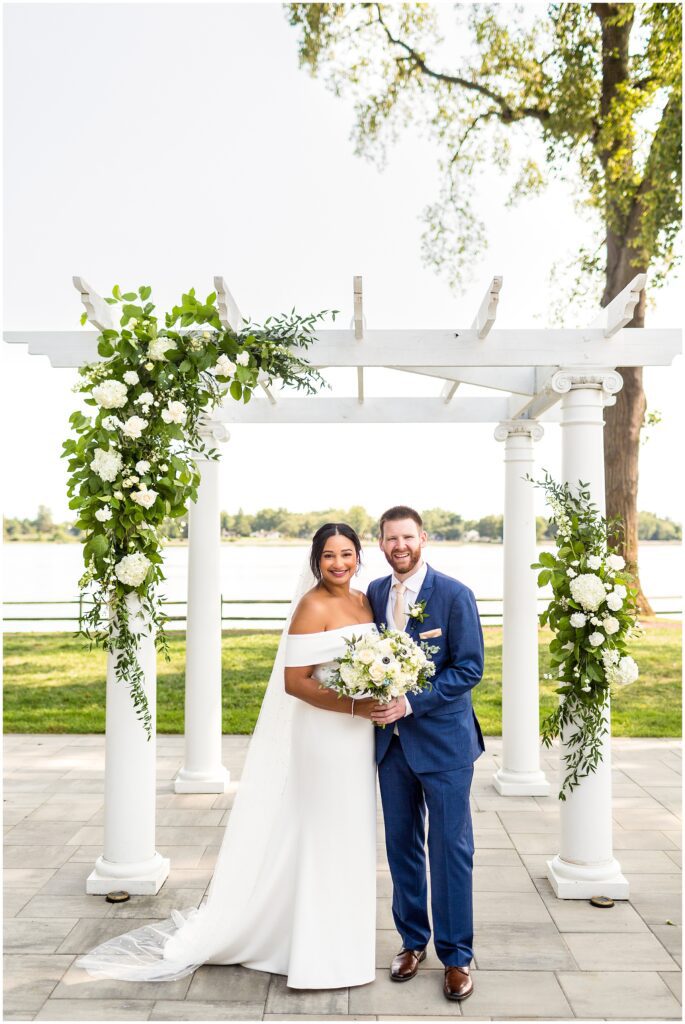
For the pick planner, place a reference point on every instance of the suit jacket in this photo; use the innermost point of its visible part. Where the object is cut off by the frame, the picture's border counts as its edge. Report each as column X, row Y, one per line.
column 442, row 733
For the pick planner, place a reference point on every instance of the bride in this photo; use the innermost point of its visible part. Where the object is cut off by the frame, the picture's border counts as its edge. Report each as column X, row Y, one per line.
column 294, row 887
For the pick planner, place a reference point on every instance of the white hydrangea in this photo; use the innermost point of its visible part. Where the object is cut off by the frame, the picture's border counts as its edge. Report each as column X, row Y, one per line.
column 243, row 358
column 175, row 412
column 571, row 572
column 106, row 464
column 224, row 367
column 132, row 569
column 134, row 426
column 624, row 673
column 142, row 466
column 614, row 602
column 611, row 625
column 616, row 562
column 131, row 377
column 610, row 657
column 588, row 590
column 158, row 348
column 596, row 639
column 145, row 400
column 594, row 561
column 111, row 394
column 621, row 591
column 103, row 514
column 578, row 620
column 145, row 497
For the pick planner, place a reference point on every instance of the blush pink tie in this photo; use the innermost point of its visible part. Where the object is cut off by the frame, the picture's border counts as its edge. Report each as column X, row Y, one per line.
column 398, row 612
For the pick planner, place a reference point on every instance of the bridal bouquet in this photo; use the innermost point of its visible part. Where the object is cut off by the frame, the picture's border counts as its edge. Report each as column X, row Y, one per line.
column 382, row 665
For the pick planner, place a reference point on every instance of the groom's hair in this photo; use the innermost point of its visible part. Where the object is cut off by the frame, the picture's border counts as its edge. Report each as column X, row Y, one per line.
column 399, row 512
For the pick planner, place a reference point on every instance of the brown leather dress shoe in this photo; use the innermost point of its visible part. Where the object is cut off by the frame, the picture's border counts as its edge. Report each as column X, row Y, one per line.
column 406, row 964
column 458, row 983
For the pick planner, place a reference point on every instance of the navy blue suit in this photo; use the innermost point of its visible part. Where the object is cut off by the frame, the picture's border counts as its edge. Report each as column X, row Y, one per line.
column 429, row 766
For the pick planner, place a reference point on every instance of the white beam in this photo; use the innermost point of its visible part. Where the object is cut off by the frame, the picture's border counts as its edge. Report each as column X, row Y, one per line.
column 620, row 310
column 448, row 390
column 99, row 312
column 358, row 308
column 316, row 409
column 557, row 384
column 231, row 317
column 650, row 346
column 487, row 313
column 519, row 380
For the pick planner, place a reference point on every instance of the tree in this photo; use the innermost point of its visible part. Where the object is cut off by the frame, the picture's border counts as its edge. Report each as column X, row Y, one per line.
column 44, row 522
column 597, row 85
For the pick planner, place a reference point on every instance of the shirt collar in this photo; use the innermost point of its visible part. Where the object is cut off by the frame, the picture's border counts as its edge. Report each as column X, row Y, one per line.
column 415, row 581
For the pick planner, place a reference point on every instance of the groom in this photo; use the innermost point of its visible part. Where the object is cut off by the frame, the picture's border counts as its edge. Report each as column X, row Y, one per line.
column 425, row 756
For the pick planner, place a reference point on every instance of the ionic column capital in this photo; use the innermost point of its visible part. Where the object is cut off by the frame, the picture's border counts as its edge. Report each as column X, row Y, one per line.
column 571, row 377
column 510, row 428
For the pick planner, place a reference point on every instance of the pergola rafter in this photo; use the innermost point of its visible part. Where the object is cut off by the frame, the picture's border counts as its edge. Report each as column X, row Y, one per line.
column 562, row 374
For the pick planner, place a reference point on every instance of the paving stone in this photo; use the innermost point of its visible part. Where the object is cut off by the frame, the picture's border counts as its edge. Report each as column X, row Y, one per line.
column 423, row 995
column 490, row 858
column 670, row 936
column 66, row 906
column 674, row 981
column 29, row 978
column 492, row 839
column 324, row 1002
column 95, row 1009
column 623, row 995
column 334, row 1016
column 14, row 899
column 642, row 839
column 581, row 916
column 232, row 983
column 158, row 906
column 91, row 931
column 26, row 878
column 81, row 809
column 78, row 984
column 676, row 837
column 529, row 822
column 187, row 1009
column 502, row 879
column 510, row 993
column 187, row 801
column 647, row 862
column 388, row 944
column 640, row 883
column 638, row 820
column 68, row 879
column 188, row 878
column 541, row 843
column 35, row 935
column 676, row 856
column 522, row 947
column 657, row 908
column 41, row 833
column 613, row 951
column 490, row 908
column 182, row 856
column 37, row 856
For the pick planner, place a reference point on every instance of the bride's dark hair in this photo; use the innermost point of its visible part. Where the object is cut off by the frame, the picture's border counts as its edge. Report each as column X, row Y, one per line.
column 319, row 543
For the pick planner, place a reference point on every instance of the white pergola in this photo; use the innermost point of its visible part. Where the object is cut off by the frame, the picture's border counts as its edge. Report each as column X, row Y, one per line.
column 560, row 375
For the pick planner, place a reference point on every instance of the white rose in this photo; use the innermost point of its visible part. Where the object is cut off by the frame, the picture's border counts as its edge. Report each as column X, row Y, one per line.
column 175, row 412
column 142, row 466
column 578, row 619
column 111, row 422
column 224, row 367
column 588, row 590
column 145, row 497
column 164, row 467
column 134, row 426
column 243, row 358
column 106, row 464
column 611, row 625
column 365, row 657
column 111, row 394
column 614, row 602
column 158, row 348
column 145, row 399
column 132, row 569
column 377, row 671
column 131, row 377
column 620, row 590
column 616, row 562
column 103, row 514
column 596, row 639
column 594, row 561
column 118, row 495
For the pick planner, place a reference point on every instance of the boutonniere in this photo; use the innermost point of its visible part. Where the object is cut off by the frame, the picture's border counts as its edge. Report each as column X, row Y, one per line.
column 418, row 611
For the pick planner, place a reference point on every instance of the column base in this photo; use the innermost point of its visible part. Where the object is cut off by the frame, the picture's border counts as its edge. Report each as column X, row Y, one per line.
column 144, row 878
column 581, row 881
column 215, row 781
column 509, row 783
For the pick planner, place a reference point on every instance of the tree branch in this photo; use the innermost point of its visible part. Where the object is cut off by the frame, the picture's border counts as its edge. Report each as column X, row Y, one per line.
column 507, row 113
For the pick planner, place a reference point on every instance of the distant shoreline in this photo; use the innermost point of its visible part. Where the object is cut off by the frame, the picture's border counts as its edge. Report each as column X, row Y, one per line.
column 297, row 542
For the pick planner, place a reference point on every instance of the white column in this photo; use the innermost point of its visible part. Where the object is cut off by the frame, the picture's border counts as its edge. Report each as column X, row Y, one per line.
column 202, row 770
column 585, row 865
column 520, row 773
column 129, row 860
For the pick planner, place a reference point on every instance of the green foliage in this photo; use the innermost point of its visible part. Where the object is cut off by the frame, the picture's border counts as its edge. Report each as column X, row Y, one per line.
column 592, row 615
column 132, row 463
column 598, row 84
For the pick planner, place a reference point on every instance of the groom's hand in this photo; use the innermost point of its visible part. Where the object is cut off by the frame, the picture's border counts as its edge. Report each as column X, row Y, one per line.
column 385, row 714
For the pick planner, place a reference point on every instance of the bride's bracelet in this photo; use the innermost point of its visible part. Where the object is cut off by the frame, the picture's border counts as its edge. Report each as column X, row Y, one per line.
column 352, row 708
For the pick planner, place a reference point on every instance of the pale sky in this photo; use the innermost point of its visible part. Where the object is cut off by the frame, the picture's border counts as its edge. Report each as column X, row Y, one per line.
column 164, row 143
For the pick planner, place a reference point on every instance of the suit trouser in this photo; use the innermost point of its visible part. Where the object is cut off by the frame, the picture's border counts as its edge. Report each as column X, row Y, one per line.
column 406, row 796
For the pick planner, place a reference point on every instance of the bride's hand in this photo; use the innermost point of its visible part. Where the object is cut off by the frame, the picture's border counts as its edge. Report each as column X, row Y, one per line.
column 364, row 707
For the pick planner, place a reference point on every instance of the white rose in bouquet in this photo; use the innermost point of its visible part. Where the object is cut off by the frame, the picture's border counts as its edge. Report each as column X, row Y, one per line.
column 134, row 427
column 131, row 377
column 175, row 412
column 145, row 497
column 596, row 639
column 610, row 625
column 158, row 348
column 616, row 562
column 111, row 394
column 614, row 602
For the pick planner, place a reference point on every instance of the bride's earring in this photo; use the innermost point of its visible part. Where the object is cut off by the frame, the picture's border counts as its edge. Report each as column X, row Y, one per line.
column 359, row 565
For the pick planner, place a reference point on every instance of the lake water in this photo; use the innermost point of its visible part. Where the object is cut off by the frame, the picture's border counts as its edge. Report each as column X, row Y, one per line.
column 50, row 572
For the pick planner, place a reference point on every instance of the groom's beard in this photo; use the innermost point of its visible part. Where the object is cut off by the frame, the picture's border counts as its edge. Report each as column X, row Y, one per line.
column 405, row 565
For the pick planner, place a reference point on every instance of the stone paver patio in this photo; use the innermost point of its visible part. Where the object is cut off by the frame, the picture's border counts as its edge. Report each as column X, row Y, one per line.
column 535, row 956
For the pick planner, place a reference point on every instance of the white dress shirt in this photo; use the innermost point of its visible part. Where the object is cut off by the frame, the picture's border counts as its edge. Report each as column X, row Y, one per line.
column 413, row 584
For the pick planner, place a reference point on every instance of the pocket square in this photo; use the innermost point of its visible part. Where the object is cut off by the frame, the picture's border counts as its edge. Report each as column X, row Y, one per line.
column 430, row 633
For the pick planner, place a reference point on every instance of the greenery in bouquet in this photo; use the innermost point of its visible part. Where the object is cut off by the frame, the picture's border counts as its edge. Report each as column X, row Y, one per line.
column 132, row 461
column 593, row 615
column 383, row 665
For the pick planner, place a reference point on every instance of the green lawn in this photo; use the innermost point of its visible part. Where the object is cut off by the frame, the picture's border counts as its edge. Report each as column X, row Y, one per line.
column 52, row 683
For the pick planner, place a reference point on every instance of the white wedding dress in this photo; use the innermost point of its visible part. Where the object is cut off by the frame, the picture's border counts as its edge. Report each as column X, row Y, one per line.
column 294, row 887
